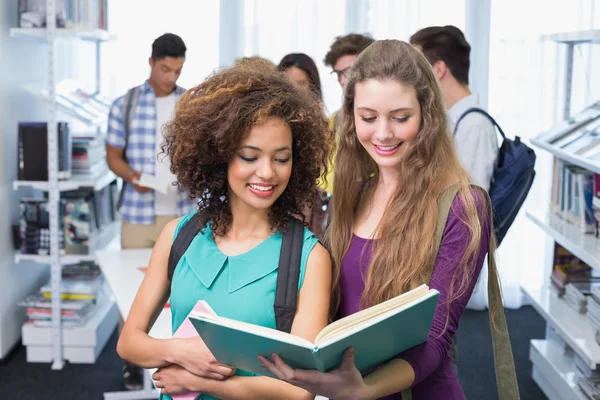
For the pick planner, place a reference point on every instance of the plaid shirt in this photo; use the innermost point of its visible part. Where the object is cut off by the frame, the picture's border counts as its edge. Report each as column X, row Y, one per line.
column 141, row 152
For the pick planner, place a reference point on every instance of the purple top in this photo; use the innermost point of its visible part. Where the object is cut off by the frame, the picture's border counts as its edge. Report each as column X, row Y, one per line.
column 434, row 377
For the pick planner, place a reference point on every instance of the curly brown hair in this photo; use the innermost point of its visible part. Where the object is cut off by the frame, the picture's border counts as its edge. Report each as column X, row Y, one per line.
column 349, row 45
column 211, row 121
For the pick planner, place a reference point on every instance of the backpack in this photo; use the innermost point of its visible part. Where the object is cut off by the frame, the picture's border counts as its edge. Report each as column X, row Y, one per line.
column 512, row 178
column 288, row 273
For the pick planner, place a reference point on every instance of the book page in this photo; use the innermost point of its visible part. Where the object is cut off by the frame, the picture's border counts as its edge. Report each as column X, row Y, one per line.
column 342, row 325
column 153, row 182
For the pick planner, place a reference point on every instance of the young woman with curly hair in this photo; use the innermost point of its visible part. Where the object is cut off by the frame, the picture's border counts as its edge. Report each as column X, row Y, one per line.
column 250, row 146
column 395, row 161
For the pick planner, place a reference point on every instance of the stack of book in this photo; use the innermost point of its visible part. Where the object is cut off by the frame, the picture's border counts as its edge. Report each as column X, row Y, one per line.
column 577, row 293
column 568, row 269
column 81, row 287
column 89, row 156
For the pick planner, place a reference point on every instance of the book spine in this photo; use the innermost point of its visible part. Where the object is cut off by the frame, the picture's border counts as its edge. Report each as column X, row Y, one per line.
column 316, row 354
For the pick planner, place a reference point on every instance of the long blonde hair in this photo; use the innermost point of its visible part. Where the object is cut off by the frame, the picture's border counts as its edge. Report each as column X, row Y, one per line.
column 402, row 256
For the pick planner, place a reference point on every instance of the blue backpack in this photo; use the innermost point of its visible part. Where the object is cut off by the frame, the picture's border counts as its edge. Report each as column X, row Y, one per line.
column 512, row 178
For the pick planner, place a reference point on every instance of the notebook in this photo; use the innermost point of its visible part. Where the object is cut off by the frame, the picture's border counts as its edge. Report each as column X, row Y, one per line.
column 186, row 330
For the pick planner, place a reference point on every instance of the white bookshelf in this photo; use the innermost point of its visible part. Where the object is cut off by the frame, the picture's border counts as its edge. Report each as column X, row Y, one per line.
column 574, row 328
column 569, row 235
column 99, row 241
column 553, row 370
column 95, row 35
column 76, row 182
column 41, row 93
column 568, row 156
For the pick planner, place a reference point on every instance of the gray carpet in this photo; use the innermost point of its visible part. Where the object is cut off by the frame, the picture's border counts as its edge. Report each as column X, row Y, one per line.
column 23, row 381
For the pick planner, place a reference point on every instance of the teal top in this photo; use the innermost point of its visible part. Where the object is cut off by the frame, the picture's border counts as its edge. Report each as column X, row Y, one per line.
column 239, row 287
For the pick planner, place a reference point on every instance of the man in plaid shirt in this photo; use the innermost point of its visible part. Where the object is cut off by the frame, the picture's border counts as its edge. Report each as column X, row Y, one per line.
column 133, row 144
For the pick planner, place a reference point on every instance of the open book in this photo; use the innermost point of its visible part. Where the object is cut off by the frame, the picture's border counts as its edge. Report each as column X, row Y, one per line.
column 377, row 334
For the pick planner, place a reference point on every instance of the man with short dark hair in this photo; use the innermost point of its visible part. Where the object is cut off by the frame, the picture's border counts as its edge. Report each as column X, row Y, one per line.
column 448, row 52
column 133, row 145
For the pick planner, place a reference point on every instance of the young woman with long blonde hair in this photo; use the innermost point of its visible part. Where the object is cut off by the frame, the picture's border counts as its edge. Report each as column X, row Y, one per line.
column 395, row 160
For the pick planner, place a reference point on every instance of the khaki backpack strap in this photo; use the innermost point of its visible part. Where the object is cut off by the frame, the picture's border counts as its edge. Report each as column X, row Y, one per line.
column 444, row 204
column 506, row 376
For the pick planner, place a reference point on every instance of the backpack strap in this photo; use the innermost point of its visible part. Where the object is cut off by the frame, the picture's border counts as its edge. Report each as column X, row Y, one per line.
column 286, row 292
column 480, row 111
column 288, row 275
column 181, row 243
column 506, row 376
column 131, row 101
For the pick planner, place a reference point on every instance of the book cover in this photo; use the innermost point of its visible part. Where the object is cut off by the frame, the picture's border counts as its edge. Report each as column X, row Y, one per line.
column 377, row 334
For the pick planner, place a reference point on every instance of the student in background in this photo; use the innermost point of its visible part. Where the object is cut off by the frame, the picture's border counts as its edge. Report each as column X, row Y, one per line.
column 302, row 70
column 395, row 158
column 475, row 138
column 250, row 145
column 132, row 145
column 340, row 57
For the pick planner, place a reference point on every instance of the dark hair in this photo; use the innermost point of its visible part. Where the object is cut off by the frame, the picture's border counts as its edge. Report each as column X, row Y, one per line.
column 447, row 44
column 306, row 64
column 168, row 45
column 212, row 119
column 349, row 45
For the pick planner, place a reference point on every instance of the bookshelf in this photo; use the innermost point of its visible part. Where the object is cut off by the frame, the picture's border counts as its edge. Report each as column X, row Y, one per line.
column 76, row 182
column 574, row 328
column 575, row 159
column 93, row 119
column 584, row 246
column 98, row 241
column 55, row 349
column 94, row 35
column 570, row 334
column 552, row 371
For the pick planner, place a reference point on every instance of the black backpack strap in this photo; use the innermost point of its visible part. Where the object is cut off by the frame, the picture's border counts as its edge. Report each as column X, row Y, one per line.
column 187, row 233
column 480, row 111
column 288, row 275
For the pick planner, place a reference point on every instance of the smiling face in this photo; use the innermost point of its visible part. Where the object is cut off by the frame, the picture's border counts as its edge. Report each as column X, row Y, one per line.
column 261, row 168
column 387, row 115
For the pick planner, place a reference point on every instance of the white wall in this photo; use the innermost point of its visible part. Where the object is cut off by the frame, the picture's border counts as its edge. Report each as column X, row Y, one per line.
column 22, row 61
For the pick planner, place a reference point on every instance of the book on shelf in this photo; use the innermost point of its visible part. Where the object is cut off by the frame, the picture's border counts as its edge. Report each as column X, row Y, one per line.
column 573, row 195
column 377, row 334
column 79, row 14
column 33, row 151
